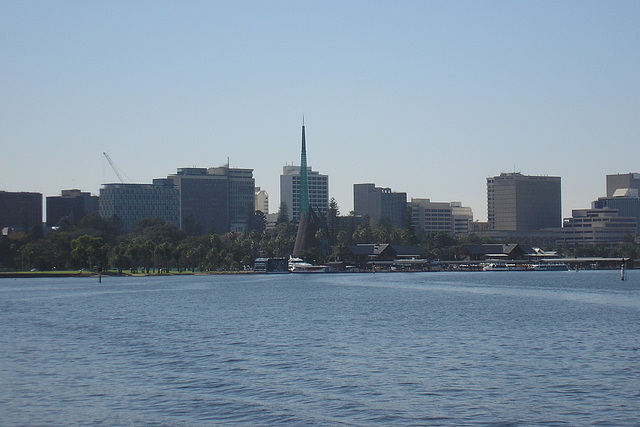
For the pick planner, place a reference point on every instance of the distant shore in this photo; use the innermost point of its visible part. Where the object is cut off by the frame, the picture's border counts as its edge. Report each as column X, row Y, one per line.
column 78, row 273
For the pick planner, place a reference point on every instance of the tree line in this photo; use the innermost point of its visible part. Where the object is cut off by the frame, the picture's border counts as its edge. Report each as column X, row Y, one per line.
column 155, row 245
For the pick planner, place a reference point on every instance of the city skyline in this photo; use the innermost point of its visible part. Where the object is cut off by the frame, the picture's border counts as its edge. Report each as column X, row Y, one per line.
column 427, row 98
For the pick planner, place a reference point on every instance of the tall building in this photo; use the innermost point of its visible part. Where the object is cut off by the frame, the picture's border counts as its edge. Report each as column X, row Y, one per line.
column 72, row 205
column 625, row 200
column 625, row 180
column 215, row 200
column 378, row 203
column 20, row 210
column 262, row 201
column 448, row 217
column 517, row 202
column 132, row 202
column 290, row 190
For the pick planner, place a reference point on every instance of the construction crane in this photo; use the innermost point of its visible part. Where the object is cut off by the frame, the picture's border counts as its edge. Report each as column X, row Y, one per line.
column 115, row 168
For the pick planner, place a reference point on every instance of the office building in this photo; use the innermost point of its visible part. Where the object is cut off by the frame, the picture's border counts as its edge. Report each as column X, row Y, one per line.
column 20, row 210
column 215, row 200
column 596, row 227
column 447, row 217
column 517, row 202
column 625, row 200
column 625, row 180
column 262, row 201
column 71, row 205
column 318, row 191
column 132, row 202
column 378, row 203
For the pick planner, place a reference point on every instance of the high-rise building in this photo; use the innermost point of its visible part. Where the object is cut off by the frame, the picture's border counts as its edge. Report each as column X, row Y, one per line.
column 448, row 217
column 215, row 200
column 378, row 203
column 517, row 202
column 625, row 180
column 262, row 201
column 133, row 202
column 72, row 205
column 20, row 210
column 318, row 190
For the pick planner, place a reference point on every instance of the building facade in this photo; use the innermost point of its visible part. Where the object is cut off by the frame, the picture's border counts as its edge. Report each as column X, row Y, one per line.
column 625, row 200
column 448, row 217
column 215, row 200
column 21, row 210
column 379, row 202
column 517, row 202
column 318, row 185
column 262, row 201
column 624, row 180
column 132, row 202
column 596, row 227
column 72, row 205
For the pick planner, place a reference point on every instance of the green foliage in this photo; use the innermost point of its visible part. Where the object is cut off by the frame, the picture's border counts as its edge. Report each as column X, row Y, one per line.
column 156, row 245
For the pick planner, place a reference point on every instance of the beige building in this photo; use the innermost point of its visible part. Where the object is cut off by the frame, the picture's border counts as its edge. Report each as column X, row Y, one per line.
column 448, row 217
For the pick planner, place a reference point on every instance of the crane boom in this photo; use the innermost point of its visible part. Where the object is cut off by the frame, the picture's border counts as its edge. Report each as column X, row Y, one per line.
column 114, row 167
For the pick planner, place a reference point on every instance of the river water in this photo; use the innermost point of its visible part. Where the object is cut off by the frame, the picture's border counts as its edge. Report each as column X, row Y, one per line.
column 485, row 348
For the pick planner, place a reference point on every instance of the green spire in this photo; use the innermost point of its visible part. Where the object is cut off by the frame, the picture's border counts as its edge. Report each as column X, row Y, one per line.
column 304, row 183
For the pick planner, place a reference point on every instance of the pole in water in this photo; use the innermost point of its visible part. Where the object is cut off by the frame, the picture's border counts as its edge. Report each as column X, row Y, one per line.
column 622, row 272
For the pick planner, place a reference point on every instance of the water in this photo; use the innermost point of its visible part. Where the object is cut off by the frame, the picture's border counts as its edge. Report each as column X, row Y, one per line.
column 507, row 348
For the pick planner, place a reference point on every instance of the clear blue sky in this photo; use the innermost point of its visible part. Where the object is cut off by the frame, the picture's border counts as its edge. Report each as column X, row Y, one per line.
column 426, row 97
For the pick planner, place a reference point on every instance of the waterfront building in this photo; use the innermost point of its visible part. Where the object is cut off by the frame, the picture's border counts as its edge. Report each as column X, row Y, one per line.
column 517, row 202
column 262, row 201
column 625, row 200
column 215, row 200
column 378, row 203
column 447, row 217
column 21, row 210
column 133, row 202
column 596, row 227
column 72, row 205
column 624, row 180
column 290, row 190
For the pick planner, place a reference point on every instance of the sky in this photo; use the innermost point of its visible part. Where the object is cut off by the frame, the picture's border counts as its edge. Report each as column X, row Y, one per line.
column 425, row 97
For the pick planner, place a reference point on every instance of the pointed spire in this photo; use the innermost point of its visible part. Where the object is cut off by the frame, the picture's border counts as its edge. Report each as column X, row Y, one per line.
column 304, row 184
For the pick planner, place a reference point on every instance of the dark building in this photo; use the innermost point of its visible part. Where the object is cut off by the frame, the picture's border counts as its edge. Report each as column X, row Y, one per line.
column 133, row 202
column 215, row 200
column 624, row 180
column 73, row 205
column 517, row 202
column 378, row 203
column 20, row 210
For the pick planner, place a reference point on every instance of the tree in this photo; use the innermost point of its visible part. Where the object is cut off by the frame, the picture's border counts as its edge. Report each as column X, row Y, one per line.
column 332, row 221
column 89, row 251
column 283, row 213
column 258, row 222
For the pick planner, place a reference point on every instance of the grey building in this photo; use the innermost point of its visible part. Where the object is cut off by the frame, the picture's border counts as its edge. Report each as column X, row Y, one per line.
column 215, row 200
column 72, row 205
column 132, row 202
column 290, row 190
column 625, row 200
column 378, row 203
column 517, row 202
column 20, row 209
column 625, row 180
